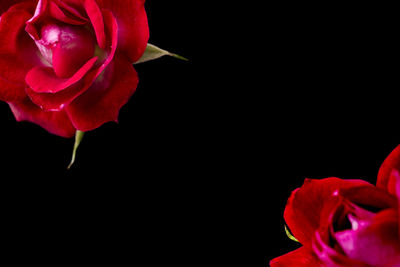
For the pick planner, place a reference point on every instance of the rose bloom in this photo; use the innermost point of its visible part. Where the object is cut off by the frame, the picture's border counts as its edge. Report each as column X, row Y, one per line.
column 345, row 223
column 66, row 65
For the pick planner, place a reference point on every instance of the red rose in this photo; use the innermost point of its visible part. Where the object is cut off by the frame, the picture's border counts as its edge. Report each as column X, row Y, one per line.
column 66, row 65
column 345, row 223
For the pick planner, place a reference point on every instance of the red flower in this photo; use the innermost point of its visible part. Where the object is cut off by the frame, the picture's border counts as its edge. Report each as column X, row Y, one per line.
column 66, row 65
column 346, row 223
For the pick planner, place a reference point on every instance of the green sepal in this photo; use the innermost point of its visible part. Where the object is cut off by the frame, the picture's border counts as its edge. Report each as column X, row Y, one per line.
column 153, row 52
column 291, row 237
column 78, row 138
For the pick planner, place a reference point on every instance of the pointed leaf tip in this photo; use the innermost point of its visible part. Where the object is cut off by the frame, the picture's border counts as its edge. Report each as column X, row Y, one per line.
column 291, row 237
column 78, row 138
column 179, row 57
column 153, row 52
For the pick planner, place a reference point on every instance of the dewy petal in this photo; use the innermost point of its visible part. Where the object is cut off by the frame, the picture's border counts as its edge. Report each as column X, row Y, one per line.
column 392, row 162
column 301, row 257
column 133, row 30
column 307, row 203
column 44, row 80
column 54, row 122
column 101, row 102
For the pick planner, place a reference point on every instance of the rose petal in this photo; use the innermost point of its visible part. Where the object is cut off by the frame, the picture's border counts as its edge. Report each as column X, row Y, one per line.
column 44, row 80
column 372, row 242
column 331, row 257
column 56, row 101
column 392, row 162
column 369, row 196
column 17, row 55
column 396, row 176
column 58, row 13
column 301, row 257
column 12, row 23
column 96, row 18
column 306, row 204
column 12, row 73
column 55, row 122
column 61, row 99
column 6, row 4
column 75, row 10
column 56, row 10
column 101, row 102
column 133, row 30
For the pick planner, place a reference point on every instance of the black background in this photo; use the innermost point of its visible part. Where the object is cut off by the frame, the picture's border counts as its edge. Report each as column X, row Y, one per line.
column 206, row 152
column 332, row 94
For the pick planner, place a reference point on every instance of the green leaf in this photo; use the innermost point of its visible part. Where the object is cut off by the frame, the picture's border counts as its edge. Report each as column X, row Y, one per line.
column 78, row 138
column 153, row 52
column 290, row 235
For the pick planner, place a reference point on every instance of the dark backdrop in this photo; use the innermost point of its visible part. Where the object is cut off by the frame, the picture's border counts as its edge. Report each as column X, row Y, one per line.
column 331, row 105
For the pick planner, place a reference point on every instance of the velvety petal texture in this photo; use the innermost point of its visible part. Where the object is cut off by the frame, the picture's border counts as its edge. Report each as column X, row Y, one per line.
column 306, row 204
column 66, row 65
column 133, row 26
column 17, row 53
column 103, row 100
column 345, row 223
column 386, row 178
column 55, row 122
column 6, row 4
column 301, row 257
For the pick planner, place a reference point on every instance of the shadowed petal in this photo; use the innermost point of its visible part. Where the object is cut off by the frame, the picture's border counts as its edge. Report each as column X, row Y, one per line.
column 133, row 29
column 102, row 101
column 303, row 212
column 301, row 257
column 54, row 122
column 392, row 162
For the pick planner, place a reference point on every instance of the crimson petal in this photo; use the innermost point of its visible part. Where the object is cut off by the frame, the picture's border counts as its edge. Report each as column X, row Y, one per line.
column 331, row 257
column 133, row 29
column 6, row 4
column 55, row 122
column 44, row 80
column 57, row 10
column 17, row 54
column 301, row 257
column 371, row 240
column 61, row 99
column 96, row 18
column 101, row 102
column 12, row 24
column 305, row 206
column 12, row 74
column 391, row 163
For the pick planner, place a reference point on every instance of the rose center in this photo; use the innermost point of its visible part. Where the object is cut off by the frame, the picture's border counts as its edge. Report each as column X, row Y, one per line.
column 66, row 47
